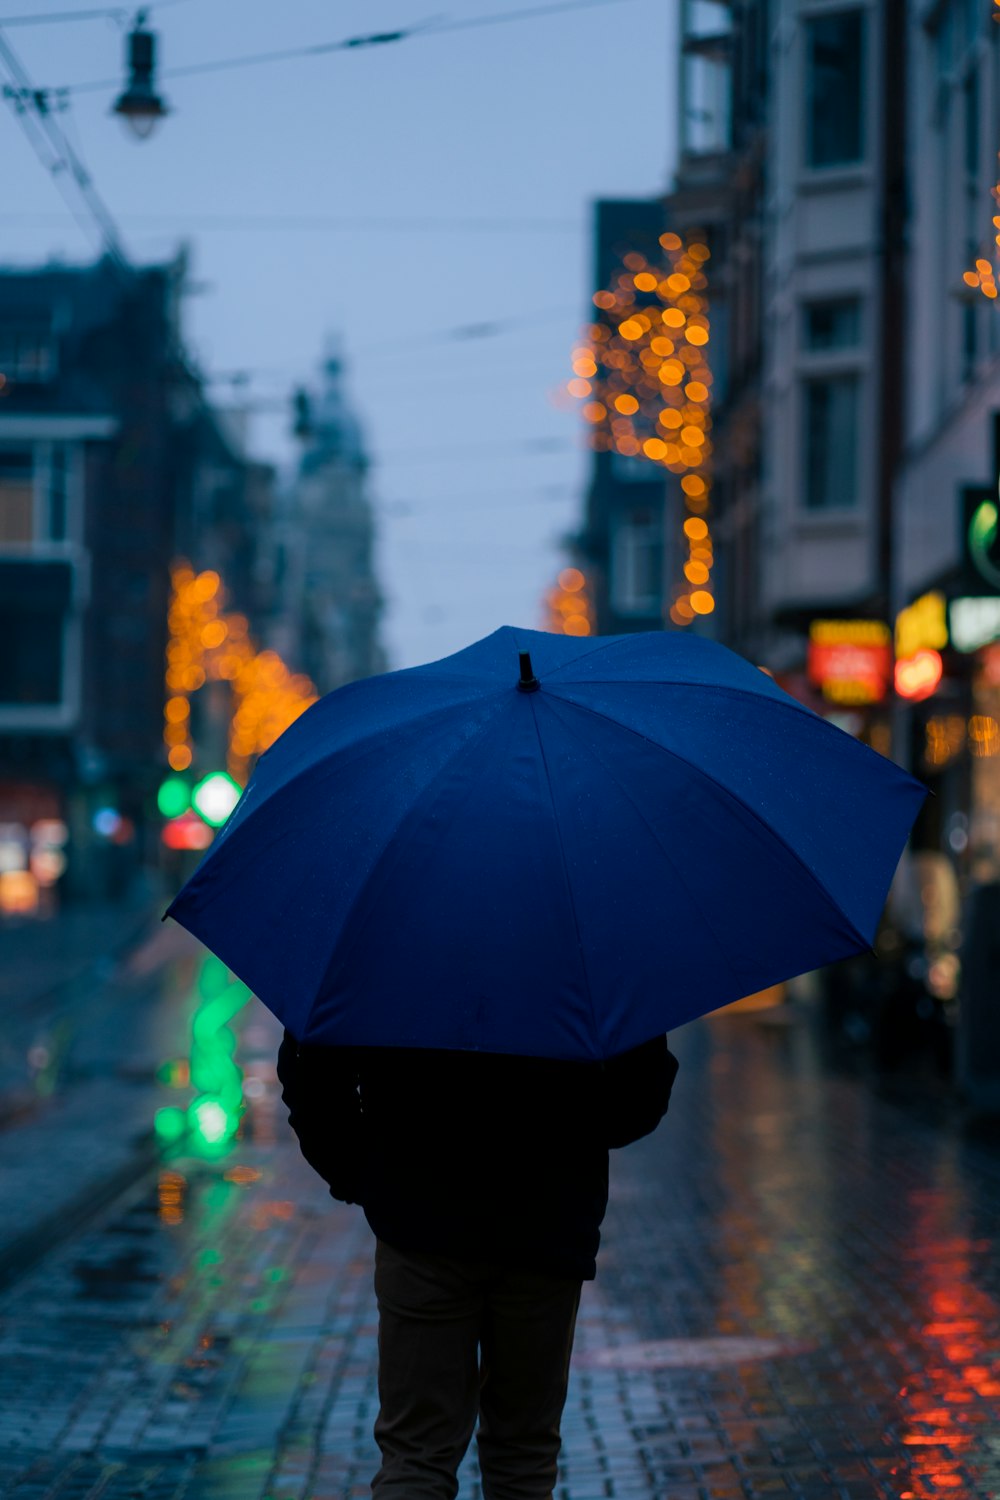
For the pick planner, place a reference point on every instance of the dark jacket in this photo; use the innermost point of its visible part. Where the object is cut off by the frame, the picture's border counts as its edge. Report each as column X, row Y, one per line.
column 473, row 1155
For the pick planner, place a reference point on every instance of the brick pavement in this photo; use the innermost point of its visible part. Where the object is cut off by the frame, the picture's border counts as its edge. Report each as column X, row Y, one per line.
column 75, row 1130
column 799, row 1294
column 48, row 952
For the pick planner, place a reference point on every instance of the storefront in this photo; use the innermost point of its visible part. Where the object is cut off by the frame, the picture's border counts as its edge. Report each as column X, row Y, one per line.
column 947, row 679
column 847, row 677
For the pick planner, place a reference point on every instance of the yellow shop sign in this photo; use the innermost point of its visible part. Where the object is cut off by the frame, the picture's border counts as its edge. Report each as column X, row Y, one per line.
column 922, row 626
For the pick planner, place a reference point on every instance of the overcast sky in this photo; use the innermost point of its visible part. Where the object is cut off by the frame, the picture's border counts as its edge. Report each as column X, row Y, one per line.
column 461, row 167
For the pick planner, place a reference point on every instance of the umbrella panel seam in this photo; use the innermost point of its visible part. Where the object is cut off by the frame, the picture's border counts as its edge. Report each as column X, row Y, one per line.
column 315, row 770
column 665, row 851
column 363, row 745
column 569, row 886
column 605, row 645
column 390, row 848
column 728, row 792
column 791, row 706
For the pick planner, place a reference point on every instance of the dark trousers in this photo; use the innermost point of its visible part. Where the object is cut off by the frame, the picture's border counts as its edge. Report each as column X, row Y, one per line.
column 461, row 1339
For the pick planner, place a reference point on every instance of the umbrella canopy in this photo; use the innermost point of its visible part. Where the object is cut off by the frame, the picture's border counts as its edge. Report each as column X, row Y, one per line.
column 451, row 857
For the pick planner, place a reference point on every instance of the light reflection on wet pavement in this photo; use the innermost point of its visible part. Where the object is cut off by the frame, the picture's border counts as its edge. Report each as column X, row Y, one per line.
column 799, row 1294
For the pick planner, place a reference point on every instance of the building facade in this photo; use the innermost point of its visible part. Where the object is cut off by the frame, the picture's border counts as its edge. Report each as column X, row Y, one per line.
column 842, row 160
column 792, row 159
column 111, row 463
column 621, row 544
column 325, row 603
column 945, row 495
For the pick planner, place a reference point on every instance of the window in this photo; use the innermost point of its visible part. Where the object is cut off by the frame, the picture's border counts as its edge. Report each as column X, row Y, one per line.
column 36, row 485
column 706, row 124
column 27, row 354
column 58, row 492
column 970, row 338
column 831, row 442
column 31, row 663
column 17, row 495
column 834, row 101
column 833, row 325
column 35, row 598
column 637, row 564
column 971, row 325
column 971, row 21
column 945, row 44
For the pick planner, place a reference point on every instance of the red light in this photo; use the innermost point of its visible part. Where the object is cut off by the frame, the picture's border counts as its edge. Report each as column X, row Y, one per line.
column 850, row 672
column 187, row 832
column 917, row 676
column 990, row 661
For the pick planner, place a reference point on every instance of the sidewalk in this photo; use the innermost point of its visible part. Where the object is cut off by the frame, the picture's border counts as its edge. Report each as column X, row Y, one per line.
column 798, row 1294
column 45, row 954
column 95, row 1002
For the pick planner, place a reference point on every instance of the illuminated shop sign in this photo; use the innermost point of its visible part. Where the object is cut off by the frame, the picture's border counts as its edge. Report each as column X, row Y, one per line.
column 922, row 625
column 981, row 540
column 974, row 622
column 850, row 661
column 917, row 676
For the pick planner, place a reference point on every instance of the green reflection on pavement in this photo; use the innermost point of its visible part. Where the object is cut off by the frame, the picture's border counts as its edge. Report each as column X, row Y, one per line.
column 212, row 1118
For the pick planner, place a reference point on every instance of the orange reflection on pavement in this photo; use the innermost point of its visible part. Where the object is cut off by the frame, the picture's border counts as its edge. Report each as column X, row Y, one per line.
column 170, row 1190
column 955, row 1389
column 242, row 1176
column 265, row 1214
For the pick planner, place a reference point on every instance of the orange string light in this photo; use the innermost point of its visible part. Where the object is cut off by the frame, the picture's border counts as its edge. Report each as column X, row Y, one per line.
column 206, row 644
column 649, row 388
column 568, row 606
column 983, row 275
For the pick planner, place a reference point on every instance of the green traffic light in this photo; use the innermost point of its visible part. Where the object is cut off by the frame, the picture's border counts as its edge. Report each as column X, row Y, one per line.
column 170, row 1124
column 173, row 797
column 214, row 797
column 212, row 1122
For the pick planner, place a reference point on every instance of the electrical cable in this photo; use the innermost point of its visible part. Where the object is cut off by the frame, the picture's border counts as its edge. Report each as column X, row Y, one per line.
column 462, row 333
column 120, row 13
column 51, row 16
column 538, row 446
column 241, row 223
column 470, row 332
column 471, row 503
column 353, row 43
column 57, row 155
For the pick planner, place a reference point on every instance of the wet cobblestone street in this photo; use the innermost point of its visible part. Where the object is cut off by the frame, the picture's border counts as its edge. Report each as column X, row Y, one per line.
column 798, row 1294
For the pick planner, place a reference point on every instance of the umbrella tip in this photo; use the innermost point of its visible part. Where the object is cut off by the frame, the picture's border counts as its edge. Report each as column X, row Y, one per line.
column 528, row 682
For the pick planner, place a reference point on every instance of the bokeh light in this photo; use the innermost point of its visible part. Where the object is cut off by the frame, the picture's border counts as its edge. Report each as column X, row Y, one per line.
column 645, row 375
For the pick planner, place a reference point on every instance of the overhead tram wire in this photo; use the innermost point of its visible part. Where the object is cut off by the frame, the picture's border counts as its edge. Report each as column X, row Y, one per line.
column 544, row 495
column 243, row 223
column 50, row 17
column 354, row 43
column 53, row 149
column 120, row 13
column 536, row 447
column 460, row 333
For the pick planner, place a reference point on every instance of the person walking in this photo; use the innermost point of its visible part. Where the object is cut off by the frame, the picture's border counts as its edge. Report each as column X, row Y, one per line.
column 484, row 1178
column 535, row 854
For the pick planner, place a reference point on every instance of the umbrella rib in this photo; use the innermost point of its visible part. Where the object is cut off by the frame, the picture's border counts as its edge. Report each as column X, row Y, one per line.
column 605, row 645
column 365, row 744
column 391, row 849
column 772, row 833
column 792, row 706
column 566, row 879
column 608, row 771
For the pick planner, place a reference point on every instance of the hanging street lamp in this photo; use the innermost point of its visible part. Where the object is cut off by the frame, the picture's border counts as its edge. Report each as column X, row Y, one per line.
column 139, row 104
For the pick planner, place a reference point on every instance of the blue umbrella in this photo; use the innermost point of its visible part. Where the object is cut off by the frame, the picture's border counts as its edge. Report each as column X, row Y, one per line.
column 548, row 846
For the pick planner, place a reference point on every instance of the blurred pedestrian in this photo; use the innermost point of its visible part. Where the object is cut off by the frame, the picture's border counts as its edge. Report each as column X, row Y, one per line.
column 485, row 1181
